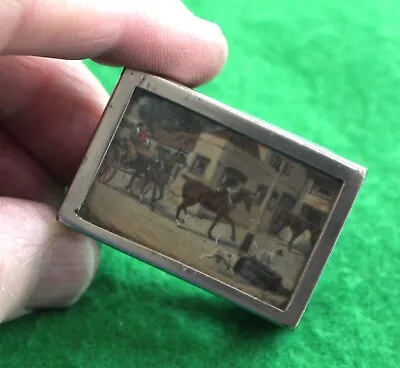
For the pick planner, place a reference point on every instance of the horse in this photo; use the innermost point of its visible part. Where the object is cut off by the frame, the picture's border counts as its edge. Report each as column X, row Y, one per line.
column 141, row 164
column 296, row 224
column 158, row 173
column 220, row 202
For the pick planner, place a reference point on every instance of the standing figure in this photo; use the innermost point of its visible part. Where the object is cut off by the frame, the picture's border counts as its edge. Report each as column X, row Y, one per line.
column 137, row 139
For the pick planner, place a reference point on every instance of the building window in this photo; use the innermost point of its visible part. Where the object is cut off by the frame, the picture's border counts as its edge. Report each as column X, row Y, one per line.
column 199, row 165
column 287, row 169
column 317, row 218
column 246, row 145
column 287, row 202
column 322, row 192
column 232, row 178
column 275, row 161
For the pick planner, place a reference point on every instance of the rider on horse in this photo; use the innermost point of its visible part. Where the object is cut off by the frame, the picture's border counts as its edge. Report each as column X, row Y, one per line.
column 136, row 139
column 226, row 188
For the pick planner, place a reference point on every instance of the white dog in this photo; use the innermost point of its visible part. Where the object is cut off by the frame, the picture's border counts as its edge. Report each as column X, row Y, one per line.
column 268, row 257
column 229, row 259
column 222, row 256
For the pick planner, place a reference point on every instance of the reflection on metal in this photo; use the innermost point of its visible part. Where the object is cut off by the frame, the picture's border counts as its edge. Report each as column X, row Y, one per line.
column 201, row 172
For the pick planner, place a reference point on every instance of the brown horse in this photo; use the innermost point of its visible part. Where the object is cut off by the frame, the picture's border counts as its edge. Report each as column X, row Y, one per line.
column 297, row 225
column 219, row 202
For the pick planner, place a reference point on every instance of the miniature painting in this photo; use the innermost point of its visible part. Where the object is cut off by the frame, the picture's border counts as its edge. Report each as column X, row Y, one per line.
column 213, row 199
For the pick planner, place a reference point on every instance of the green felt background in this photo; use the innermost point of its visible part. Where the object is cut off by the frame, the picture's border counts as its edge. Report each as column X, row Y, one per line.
column 330, row 73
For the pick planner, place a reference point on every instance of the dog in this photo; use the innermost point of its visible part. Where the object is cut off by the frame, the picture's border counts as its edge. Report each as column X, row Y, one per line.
column 268, row 257
column 229, row 259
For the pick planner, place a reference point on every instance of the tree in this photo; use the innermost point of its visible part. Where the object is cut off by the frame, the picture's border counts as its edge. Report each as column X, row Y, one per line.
column 172, row 117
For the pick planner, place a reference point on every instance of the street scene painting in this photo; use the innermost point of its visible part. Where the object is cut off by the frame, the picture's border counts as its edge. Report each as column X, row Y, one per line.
column 215, row 200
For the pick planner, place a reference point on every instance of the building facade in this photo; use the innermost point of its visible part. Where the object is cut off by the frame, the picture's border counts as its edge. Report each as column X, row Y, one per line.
column 216, row 156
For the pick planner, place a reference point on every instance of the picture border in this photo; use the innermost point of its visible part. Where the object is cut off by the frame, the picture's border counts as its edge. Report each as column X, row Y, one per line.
column 350, row 174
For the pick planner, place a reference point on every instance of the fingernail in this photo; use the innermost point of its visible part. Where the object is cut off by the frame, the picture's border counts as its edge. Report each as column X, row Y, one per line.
column 67, row 269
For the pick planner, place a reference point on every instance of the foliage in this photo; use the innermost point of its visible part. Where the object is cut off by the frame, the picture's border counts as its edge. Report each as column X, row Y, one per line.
column 171, row 116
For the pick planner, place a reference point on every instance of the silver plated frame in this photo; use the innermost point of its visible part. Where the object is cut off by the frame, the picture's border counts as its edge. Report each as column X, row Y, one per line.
column 350, row 174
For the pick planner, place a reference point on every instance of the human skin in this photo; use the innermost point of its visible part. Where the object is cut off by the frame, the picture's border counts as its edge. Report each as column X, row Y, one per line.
column 50, row 105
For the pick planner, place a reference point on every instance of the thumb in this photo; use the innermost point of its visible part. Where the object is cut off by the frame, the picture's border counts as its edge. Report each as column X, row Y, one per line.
column 42, row 263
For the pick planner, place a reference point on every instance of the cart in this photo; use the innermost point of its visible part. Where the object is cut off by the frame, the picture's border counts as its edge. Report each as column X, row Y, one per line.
column 116, row 160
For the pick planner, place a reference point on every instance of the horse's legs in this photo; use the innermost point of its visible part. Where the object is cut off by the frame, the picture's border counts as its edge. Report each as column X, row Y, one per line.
column 153, row 195
column 186, row 214
column 162, row 184
column 215, row 222
column 161, row 188
column 187, row 202
column 230, row 221
column 144, row 185
column 146, row 188
column 181, row 207
column 132, row 179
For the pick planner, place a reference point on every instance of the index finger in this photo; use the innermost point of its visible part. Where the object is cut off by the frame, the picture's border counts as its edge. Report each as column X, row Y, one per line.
column 116, row 32
column 51, row 107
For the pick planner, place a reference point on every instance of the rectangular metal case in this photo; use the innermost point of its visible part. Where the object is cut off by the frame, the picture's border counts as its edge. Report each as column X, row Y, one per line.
column 263, row 207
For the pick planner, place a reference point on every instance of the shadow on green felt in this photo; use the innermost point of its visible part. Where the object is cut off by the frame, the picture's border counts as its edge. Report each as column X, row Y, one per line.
column 195, row 306
column 117, row 314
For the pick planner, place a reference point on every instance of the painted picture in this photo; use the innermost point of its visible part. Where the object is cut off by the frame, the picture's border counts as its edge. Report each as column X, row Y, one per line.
column 187, row 187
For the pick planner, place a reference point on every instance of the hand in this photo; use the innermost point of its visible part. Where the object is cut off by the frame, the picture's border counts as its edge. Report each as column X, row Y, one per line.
column 49, row 109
